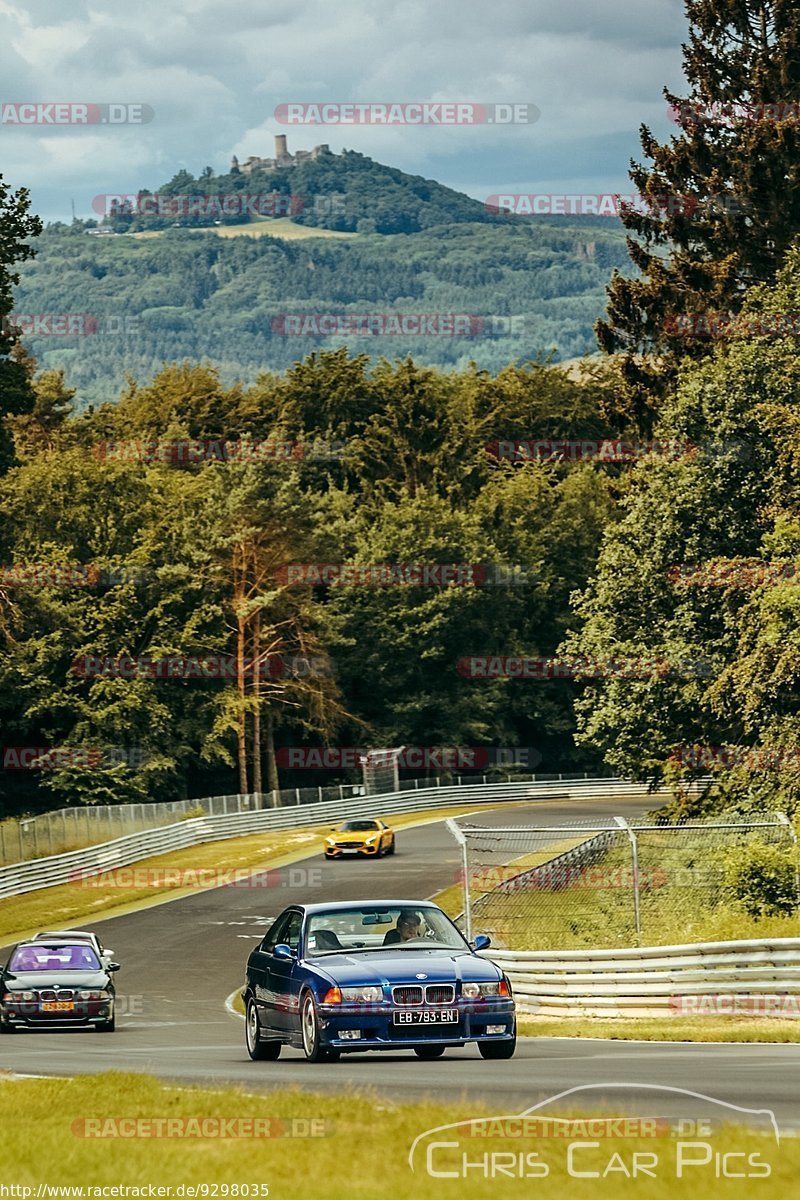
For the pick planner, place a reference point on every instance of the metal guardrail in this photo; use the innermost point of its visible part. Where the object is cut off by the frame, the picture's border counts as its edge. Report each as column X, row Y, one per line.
column 753, row 978
column 61, row 830
column 38, row 873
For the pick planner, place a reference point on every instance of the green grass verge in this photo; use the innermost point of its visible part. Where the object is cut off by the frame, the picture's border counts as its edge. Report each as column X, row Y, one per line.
column 360, row 1152
column 663, row 1029
column 115, row 892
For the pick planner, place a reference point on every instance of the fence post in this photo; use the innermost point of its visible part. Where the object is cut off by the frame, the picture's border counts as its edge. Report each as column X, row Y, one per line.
column 623, row 824
column 462, row 841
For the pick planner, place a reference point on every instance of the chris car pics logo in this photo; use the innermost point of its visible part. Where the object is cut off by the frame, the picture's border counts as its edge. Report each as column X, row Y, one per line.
column 708, row 1139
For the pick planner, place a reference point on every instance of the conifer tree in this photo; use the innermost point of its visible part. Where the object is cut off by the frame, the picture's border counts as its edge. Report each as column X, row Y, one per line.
column 719, row 204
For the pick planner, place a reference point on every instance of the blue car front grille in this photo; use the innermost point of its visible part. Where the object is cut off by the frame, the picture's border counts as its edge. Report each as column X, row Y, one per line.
column 407, row 994
column 440, row 993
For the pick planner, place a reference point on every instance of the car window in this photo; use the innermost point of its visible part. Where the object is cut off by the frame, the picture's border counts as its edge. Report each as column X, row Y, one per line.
column 275, row 933
column 292, row 935
column 286, row 929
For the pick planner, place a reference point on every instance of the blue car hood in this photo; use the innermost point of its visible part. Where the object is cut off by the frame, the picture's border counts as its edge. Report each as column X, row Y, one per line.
column 402, row 966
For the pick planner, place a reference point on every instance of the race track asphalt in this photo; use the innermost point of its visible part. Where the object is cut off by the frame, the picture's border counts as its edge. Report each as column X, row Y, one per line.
column 182, row 959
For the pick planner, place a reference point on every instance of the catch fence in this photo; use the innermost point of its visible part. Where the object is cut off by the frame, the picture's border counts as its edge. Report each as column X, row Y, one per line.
column 604, row 882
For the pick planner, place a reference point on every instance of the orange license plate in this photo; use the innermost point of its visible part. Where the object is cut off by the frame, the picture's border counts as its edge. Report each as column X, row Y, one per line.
column 58, row 1006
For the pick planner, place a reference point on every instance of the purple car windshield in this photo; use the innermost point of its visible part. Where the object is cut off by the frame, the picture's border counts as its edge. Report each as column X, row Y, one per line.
column 41, row 957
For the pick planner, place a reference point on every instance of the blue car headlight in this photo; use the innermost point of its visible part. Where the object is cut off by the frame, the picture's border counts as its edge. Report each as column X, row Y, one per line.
column 362, row 995
column 471, row 990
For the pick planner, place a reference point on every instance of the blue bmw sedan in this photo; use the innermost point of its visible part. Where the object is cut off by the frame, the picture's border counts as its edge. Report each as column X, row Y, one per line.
column 373, row 975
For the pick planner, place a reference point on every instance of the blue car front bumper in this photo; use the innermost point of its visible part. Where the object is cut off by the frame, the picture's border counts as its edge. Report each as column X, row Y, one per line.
column 377, row 1030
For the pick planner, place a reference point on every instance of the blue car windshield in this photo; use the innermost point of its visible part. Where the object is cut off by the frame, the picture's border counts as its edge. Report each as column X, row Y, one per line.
column 378, row 928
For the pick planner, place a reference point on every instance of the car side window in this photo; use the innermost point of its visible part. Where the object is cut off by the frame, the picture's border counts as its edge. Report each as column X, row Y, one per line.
column 276, row 933
column 292, row 934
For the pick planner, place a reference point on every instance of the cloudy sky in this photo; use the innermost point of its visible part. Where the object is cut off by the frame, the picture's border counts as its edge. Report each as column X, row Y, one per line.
column 213, row 74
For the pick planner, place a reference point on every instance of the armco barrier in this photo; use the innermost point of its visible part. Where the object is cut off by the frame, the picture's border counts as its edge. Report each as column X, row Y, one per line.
column 753, row 978
column 39, row 873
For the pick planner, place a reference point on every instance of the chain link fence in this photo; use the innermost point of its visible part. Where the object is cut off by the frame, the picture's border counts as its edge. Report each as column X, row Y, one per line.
column 611, row 882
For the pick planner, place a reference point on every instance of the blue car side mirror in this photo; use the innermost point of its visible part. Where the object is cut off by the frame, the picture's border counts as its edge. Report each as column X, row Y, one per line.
column 482, row 942
column 283, row 951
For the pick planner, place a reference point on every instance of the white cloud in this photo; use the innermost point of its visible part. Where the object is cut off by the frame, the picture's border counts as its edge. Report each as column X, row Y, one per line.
column 214, row 75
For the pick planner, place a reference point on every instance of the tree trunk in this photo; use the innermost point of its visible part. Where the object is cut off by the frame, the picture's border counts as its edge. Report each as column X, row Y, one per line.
column 256, row 654
column 273, row 782
column 242, row 722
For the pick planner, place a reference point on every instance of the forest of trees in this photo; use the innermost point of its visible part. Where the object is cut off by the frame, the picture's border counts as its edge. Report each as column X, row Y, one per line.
column 189, row 557
column 532, row 289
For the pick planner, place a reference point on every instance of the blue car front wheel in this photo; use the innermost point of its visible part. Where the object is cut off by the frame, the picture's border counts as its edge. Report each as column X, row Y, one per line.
column 310, row 1031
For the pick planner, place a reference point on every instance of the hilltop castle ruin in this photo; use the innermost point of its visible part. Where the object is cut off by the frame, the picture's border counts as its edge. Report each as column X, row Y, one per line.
column 282, row 157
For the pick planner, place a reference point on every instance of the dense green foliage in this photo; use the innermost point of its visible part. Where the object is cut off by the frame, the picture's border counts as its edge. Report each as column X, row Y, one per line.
column 16, row 227
column 413, row 485
column 193, row 295
column 739, row 503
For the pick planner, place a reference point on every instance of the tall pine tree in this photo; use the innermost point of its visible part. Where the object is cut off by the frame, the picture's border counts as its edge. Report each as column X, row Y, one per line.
column 16, row 393
column 720, row 202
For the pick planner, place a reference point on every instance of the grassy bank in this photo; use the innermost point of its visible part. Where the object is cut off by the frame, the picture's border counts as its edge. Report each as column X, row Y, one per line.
column 664, row 1029
column 376, row 1136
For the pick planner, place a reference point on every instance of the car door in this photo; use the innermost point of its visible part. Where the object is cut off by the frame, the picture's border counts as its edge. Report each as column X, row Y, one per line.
column 283, row 976
column 258, row 971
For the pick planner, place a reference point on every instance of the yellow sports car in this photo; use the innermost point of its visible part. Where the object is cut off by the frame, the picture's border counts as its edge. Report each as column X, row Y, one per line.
column 365, row 835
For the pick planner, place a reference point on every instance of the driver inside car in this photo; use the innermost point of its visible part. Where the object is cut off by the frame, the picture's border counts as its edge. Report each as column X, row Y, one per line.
column 407, row 928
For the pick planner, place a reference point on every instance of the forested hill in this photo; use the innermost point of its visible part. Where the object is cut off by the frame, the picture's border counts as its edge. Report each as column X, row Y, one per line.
column 348, row 192
column 529, row 288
